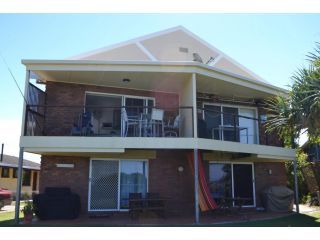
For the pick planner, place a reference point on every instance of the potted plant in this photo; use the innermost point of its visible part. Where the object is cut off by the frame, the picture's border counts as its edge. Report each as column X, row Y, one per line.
column 28, row 212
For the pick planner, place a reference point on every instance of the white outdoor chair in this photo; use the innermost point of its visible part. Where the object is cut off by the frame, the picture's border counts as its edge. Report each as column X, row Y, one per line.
column 157, row 122
column 127, row 122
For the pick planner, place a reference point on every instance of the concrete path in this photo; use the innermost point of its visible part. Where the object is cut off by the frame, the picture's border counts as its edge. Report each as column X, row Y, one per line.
column 8, row 208
column 306, row 209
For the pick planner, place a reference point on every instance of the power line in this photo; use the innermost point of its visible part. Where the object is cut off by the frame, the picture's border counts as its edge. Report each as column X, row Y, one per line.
column 5, row 62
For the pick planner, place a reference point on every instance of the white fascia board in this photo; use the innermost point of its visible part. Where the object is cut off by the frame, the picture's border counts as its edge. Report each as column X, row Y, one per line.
column 16, row 166
column 148, row 66
column 276, row 157
column 262, row 150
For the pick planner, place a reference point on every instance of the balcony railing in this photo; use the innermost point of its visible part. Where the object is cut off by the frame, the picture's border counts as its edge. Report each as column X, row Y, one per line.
column 138, row 121
column 108, row 121
column 226, row 126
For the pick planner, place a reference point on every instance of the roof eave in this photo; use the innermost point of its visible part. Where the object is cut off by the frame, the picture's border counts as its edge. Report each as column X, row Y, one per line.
column 32, row 62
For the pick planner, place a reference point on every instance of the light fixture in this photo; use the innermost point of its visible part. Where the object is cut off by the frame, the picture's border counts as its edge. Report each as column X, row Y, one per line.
column 64, row 165
column 270, row 171
column 180, row 169
column 126, row 80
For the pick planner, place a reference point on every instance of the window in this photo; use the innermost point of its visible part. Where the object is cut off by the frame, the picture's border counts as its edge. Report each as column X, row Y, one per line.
column 232, row 180
column 26, row 178
column 15, row 172
column 5, row 173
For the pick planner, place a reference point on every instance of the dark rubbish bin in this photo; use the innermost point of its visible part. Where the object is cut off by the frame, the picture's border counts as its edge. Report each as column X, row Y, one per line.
column 277, row 199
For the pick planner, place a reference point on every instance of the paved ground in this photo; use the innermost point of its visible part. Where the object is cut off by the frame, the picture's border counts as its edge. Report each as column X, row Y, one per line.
column 8, row 208
column 305, row 208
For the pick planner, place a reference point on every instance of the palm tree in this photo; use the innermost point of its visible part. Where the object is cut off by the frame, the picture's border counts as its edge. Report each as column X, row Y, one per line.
column 300, row 110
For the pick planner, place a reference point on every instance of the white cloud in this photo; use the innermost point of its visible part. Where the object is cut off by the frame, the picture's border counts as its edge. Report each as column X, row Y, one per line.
column 10, row 130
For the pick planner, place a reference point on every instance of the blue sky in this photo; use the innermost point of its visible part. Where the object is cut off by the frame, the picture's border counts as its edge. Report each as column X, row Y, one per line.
column 271, row 45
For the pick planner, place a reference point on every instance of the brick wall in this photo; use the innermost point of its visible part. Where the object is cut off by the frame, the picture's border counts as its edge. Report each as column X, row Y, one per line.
column 264, row 180
column 165, row 178
column 76, row 178
column 60, row 120
column 270, row 139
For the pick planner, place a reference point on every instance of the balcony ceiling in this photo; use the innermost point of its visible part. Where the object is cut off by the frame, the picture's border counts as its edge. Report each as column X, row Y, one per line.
column 154, row 76
column 218, row 87
column 155, row 81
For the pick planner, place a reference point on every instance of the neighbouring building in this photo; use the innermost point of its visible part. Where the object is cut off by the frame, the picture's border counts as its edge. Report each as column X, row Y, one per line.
column 30, row 175
column 125, row 118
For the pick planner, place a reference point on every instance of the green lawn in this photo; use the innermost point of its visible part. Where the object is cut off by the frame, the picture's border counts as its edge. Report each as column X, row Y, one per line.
column 6, row 219
column 296, row 220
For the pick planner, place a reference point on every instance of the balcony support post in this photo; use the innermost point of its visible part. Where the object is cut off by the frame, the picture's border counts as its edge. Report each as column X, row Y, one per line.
column 19, row 183
column 296, row 190
column 196, row 186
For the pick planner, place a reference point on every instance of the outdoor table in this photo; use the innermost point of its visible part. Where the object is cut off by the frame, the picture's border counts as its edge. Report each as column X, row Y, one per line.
column 228, row 202
column 137, row 205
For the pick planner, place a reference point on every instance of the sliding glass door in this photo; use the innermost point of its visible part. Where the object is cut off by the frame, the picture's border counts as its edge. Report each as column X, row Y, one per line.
column 133, row 179
column 111, row 181
column 104, row 181
column 231, row 123
column 232, row 180
column 220, row 181
column 243, row 183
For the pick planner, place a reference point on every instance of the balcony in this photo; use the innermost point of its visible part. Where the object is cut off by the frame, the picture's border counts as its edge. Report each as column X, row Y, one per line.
column 109, row 121
column 234, row 124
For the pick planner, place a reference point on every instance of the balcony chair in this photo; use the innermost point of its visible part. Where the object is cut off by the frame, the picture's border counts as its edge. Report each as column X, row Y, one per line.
column 127, row 122
column 157, row 122
column 84, row 125
column 172, row 130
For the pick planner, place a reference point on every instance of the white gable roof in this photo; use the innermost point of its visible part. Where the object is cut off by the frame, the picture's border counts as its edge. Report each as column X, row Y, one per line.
column 174, row 44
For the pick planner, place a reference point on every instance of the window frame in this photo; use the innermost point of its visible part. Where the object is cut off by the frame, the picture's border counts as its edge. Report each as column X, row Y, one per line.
column 14, row 170
column 2, row 172
column 24, row 176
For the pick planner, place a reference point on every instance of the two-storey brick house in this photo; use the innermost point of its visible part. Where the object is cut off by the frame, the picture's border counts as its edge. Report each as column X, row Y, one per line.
column 126, row 118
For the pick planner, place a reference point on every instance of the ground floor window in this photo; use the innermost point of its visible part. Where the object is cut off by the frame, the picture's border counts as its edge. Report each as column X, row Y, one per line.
column 111, row 181
column 5, row 173
column 232, row 180
column 15, row 173
column 26, row 178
